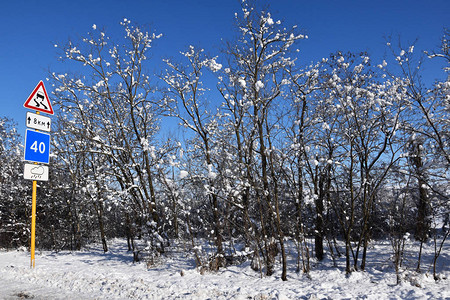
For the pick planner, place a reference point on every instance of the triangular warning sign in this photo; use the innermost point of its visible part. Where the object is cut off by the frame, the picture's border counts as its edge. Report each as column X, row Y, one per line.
column 38, row 100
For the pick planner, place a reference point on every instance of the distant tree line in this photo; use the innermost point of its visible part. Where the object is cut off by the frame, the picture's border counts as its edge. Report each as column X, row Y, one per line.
column 342, row 150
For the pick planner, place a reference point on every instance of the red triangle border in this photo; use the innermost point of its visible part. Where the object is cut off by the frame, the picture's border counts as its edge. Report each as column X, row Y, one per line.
column 26, row 104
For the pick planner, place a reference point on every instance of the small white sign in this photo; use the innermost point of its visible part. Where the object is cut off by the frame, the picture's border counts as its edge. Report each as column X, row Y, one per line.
column 38, row 122
column 35, row 172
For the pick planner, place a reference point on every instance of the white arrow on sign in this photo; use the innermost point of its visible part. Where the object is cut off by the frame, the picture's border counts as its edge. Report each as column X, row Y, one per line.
column 38, row 122
column 35, row 172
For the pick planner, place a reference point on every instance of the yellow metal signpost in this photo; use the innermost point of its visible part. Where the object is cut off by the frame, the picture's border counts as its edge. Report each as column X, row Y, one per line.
column 37, row 149
column 33, row 223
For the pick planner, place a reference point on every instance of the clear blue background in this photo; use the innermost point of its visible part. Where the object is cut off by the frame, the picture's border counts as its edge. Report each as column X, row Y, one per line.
column 29, row 30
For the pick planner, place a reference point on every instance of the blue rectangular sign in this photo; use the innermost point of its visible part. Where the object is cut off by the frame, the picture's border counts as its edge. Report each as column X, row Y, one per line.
column 37, row 146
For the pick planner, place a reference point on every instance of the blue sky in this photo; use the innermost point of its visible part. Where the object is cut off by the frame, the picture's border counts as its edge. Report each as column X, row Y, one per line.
column 29, row 29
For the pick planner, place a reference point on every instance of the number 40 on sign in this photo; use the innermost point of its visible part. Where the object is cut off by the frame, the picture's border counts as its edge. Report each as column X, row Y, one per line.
column 37, row 146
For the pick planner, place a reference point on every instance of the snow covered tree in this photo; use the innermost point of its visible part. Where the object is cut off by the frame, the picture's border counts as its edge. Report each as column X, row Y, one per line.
column 367, row 115
column 299, row 133
column 429, row 134
column 186, row 100
column 252, row 86
column 109, row 114
column 15, row 206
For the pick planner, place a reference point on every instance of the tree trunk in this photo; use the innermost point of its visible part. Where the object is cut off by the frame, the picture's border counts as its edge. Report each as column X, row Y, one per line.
column 364, row 255
column 75, row 223
column 99, row 210
column 318, row 235
column 128, row 232
column 419, row 258
column 217, row 234
column 348, row 269
column 422, row 223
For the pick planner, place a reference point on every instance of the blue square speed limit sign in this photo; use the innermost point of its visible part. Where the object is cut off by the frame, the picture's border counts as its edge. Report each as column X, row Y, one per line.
column 37, row 146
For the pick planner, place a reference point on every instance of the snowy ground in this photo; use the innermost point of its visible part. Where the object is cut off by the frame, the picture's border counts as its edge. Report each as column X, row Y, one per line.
column 91, row 274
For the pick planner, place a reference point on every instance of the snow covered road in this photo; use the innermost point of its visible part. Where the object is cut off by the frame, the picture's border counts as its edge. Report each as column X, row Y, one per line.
column 91, row 274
